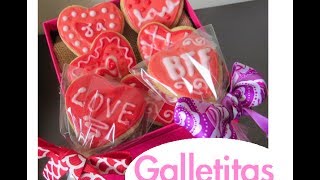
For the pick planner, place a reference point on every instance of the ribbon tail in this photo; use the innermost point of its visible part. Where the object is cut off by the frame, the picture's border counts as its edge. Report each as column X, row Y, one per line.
column 241, row 130
column 261, row 121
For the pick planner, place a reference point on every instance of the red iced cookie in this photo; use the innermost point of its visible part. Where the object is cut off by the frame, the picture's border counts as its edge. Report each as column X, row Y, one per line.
column 110, row 54
column 154, row 37
column 102, row 111
column 141, row 12
column 156, row 109
column 165, row 115
column 189, row 69
column 79, row 26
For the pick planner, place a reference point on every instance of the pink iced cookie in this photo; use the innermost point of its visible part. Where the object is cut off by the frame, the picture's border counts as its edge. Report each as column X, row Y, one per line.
column 155, row 37
column 79, row 26
column 110, row 55
column 141, row 12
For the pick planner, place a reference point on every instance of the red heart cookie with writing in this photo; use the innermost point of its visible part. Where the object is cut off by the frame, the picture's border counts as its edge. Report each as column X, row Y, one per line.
column 156, row 109
column 102, row 111
column 110, row 54
column 191, row 68
column 141, row 12
column 79, row 26
column 155, row 37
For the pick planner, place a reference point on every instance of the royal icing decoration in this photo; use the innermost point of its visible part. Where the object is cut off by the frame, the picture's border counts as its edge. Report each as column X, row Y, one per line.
column 110, row 55
column 156, row 109
column 100, row 111
column 190, row 68
column 78, row 26
column 139, row 13
column 155, row 37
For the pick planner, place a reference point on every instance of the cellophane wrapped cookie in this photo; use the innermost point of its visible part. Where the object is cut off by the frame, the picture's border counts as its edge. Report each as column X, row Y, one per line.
column 191, row 66
column 99, row 112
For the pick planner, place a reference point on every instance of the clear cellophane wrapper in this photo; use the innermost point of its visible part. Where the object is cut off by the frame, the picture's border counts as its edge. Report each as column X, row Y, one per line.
column 193, row 67
column 99, row 112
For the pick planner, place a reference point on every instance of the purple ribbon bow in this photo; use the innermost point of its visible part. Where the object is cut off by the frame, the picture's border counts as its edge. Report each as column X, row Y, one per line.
column 208, row 120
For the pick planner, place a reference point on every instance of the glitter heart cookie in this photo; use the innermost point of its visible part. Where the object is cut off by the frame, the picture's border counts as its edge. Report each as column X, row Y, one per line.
column 101, row 111
column 140, row 12
column 110, row 55
column 154, row 37
column 79, row 26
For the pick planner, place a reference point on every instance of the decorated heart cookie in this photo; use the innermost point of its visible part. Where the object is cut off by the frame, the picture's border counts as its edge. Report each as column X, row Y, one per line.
column 101, row 111
column 110, row 54
column 154, row 37
column 156, row 109
column 141, row 12
column 191, row 68
column 79, row 26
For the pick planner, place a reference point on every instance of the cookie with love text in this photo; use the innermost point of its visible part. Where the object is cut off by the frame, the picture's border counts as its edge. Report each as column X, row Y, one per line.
column 102, row 112
column 110, row 55
column 141, row 12
column 154, row 37
column 79, row 26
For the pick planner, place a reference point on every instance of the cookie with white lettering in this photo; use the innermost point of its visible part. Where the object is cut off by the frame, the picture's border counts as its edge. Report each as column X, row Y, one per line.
column 141, row 12
column 189, row 69
column 154, row 37
column 79, row 26
column 110, row 55
column 102, row 112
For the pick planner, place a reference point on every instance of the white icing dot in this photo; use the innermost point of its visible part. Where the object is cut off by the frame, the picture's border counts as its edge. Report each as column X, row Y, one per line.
column 71, row 36
column 104, row 10
column 73, row 14
column 65, row 28
column 92, row 13
column 112, row 16
column 64, row 18
column 83, row 15
column 85, row 49
column 112, row 25
column 77, row 43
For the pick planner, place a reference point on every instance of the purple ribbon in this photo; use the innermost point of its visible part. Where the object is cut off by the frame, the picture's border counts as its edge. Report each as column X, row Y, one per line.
column 207, row 120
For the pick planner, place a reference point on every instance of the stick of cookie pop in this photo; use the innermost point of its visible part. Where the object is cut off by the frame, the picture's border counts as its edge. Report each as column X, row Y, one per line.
column 206, row 120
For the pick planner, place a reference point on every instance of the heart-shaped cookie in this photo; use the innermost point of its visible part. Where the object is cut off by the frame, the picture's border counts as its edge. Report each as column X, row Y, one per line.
column 102, row 111
column 191, row 68
column 154, row 37
column 156, row 109
column 141, row 12
column 79, row 26
column 110, row 54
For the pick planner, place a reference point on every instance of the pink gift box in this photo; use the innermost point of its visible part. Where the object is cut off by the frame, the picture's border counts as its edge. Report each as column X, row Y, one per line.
column 160, row 136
